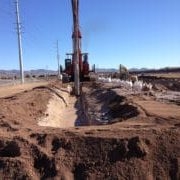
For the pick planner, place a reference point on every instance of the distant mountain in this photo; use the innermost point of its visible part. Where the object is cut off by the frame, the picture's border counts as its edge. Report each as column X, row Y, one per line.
column 116, row 70
column 38, row 72
column 99, row 70
column 136, row 69
column 140, row 70
column 162, row 70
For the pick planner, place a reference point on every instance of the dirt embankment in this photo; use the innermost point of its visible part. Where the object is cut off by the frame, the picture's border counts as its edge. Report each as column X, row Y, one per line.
column 92, row 154
column 166, row 83
column 142, row 145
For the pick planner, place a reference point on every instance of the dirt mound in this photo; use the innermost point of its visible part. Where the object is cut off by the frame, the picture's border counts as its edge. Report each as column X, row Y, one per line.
column 77, row 156
column 144, row 144
column 23, row 108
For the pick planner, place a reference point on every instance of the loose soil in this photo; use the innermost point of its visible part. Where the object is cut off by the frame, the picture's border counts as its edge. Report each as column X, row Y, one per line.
column 107, row 133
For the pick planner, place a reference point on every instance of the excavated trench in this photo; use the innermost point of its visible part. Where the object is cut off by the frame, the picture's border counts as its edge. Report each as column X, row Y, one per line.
column 62, row 109
column 95, row 106
column 104, row 106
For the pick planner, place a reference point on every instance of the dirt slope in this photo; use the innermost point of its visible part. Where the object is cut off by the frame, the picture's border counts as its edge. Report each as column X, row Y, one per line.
column 143, row 145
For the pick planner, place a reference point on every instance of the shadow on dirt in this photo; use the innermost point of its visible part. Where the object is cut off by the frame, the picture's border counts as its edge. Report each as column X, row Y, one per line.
column 118, row 106
column 82, row 119
column 103, row 106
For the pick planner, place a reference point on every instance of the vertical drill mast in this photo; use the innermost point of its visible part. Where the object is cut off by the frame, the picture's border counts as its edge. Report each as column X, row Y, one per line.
column 76, row 36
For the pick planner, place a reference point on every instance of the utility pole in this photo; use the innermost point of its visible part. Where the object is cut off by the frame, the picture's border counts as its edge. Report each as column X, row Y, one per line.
column 19, row 41
column 58, row 59
column 76, row 45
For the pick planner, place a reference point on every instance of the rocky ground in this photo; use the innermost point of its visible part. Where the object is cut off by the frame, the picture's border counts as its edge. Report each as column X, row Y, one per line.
column 45, row 132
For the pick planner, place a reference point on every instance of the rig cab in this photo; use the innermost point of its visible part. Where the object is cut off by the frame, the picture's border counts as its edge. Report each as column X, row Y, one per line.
column 83, row 66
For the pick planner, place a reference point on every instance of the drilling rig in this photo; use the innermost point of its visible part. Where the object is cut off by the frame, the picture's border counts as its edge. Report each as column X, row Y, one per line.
column 76, row 63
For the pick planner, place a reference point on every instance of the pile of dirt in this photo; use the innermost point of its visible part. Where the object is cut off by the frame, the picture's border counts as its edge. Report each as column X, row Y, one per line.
column 144, row 144
column 22, row 110
column 86, row 155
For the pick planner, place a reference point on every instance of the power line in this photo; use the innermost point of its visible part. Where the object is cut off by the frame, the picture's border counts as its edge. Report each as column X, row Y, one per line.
column 19, row 41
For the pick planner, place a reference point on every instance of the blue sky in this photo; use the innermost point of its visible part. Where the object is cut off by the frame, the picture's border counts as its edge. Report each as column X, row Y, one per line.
column 136, row 33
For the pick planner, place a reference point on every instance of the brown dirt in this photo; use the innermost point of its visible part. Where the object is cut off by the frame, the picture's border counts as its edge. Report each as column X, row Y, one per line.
column 144, row 142
column 164, row 81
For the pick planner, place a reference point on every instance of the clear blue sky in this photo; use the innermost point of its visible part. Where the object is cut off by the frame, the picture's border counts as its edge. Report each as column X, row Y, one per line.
column 136, row 33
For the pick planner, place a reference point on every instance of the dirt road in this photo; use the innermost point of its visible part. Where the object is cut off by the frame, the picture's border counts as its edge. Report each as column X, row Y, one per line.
column 10, row 90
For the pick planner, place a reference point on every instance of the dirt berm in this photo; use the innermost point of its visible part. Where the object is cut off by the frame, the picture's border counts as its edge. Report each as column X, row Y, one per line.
column 140, row 147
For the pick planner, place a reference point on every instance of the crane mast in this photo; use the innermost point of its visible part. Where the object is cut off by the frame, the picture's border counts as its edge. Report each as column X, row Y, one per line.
column 76, row 37
column 76, row 63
